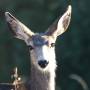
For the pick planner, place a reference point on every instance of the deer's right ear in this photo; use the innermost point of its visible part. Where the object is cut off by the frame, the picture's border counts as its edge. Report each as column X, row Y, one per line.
column 19, row 29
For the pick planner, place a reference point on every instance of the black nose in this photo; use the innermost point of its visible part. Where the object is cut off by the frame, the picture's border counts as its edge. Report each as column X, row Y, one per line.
column 43, row 63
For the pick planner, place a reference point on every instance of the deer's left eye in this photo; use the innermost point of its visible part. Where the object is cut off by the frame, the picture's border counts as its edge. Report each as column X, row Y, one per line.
column 52, row 44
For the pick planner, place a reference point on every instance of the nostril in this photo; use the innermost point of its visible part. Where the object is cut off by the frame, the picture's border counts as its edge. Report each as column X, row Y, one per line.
column 43, row 63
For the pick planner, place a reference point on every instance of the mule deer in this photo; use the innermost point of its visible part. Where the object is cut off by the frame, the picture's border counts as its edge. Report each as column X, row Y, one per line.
column 42, row 49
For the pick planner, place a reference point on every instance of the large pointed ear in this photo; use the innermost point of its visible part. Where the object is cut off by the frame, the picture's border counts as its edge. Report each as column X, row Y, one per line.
column 20, row 30
column 60, row 25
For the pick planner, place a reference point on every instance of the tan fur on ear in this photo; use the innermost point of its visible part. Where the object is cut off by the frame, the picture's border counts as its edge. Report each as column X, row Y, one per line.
column 60, row 25
column 20, row 30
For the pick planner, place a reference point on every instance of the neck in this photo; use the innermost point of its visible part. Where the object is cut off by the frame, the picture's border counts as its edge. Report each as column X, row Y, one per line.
column 42, row 80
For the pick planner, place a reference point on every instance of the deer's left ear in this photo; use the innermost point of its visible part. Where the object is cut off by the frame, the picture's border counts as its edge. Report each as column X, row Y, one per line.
column 61, row 25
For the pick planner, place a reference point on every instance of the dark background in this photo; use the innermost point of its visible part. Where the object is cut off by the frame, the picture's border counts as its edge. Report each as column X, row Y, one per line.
column 72, row 48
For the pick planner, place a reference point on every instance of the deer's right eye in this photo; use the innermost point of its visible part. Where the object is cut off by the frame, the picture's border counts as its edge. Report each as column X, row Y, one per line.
column 30, row 47
column 52, row 44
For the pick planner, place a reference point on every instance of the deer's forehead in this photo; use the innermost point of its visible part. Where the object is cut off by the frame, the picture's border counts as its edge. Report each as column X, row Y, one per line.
column 39, row 40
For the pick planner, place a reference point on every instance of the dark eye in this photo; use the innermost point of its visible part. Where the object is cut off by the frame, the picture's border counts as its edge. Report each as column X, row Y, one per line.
column 52, row 44
column 30, row 47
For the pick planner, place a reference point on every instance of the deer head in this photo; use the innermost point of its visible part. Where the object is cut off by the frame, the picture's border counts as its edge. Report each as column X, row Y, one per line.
column 41, row 46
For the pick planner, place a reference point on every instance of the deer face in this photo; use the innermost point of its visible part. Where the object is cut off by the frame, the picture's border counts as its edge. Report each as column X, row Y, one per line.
column 42, row 50
column 41, row 46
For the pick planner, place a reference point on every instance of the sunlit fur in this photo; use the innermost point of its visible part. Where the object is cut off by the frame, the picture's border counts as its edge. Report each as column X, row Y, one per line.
column 45, row 75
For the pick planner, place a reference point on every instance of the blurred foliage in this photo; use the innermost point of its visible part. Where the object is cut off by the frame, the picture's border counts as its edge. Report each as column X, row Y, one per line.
column 72, row 48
